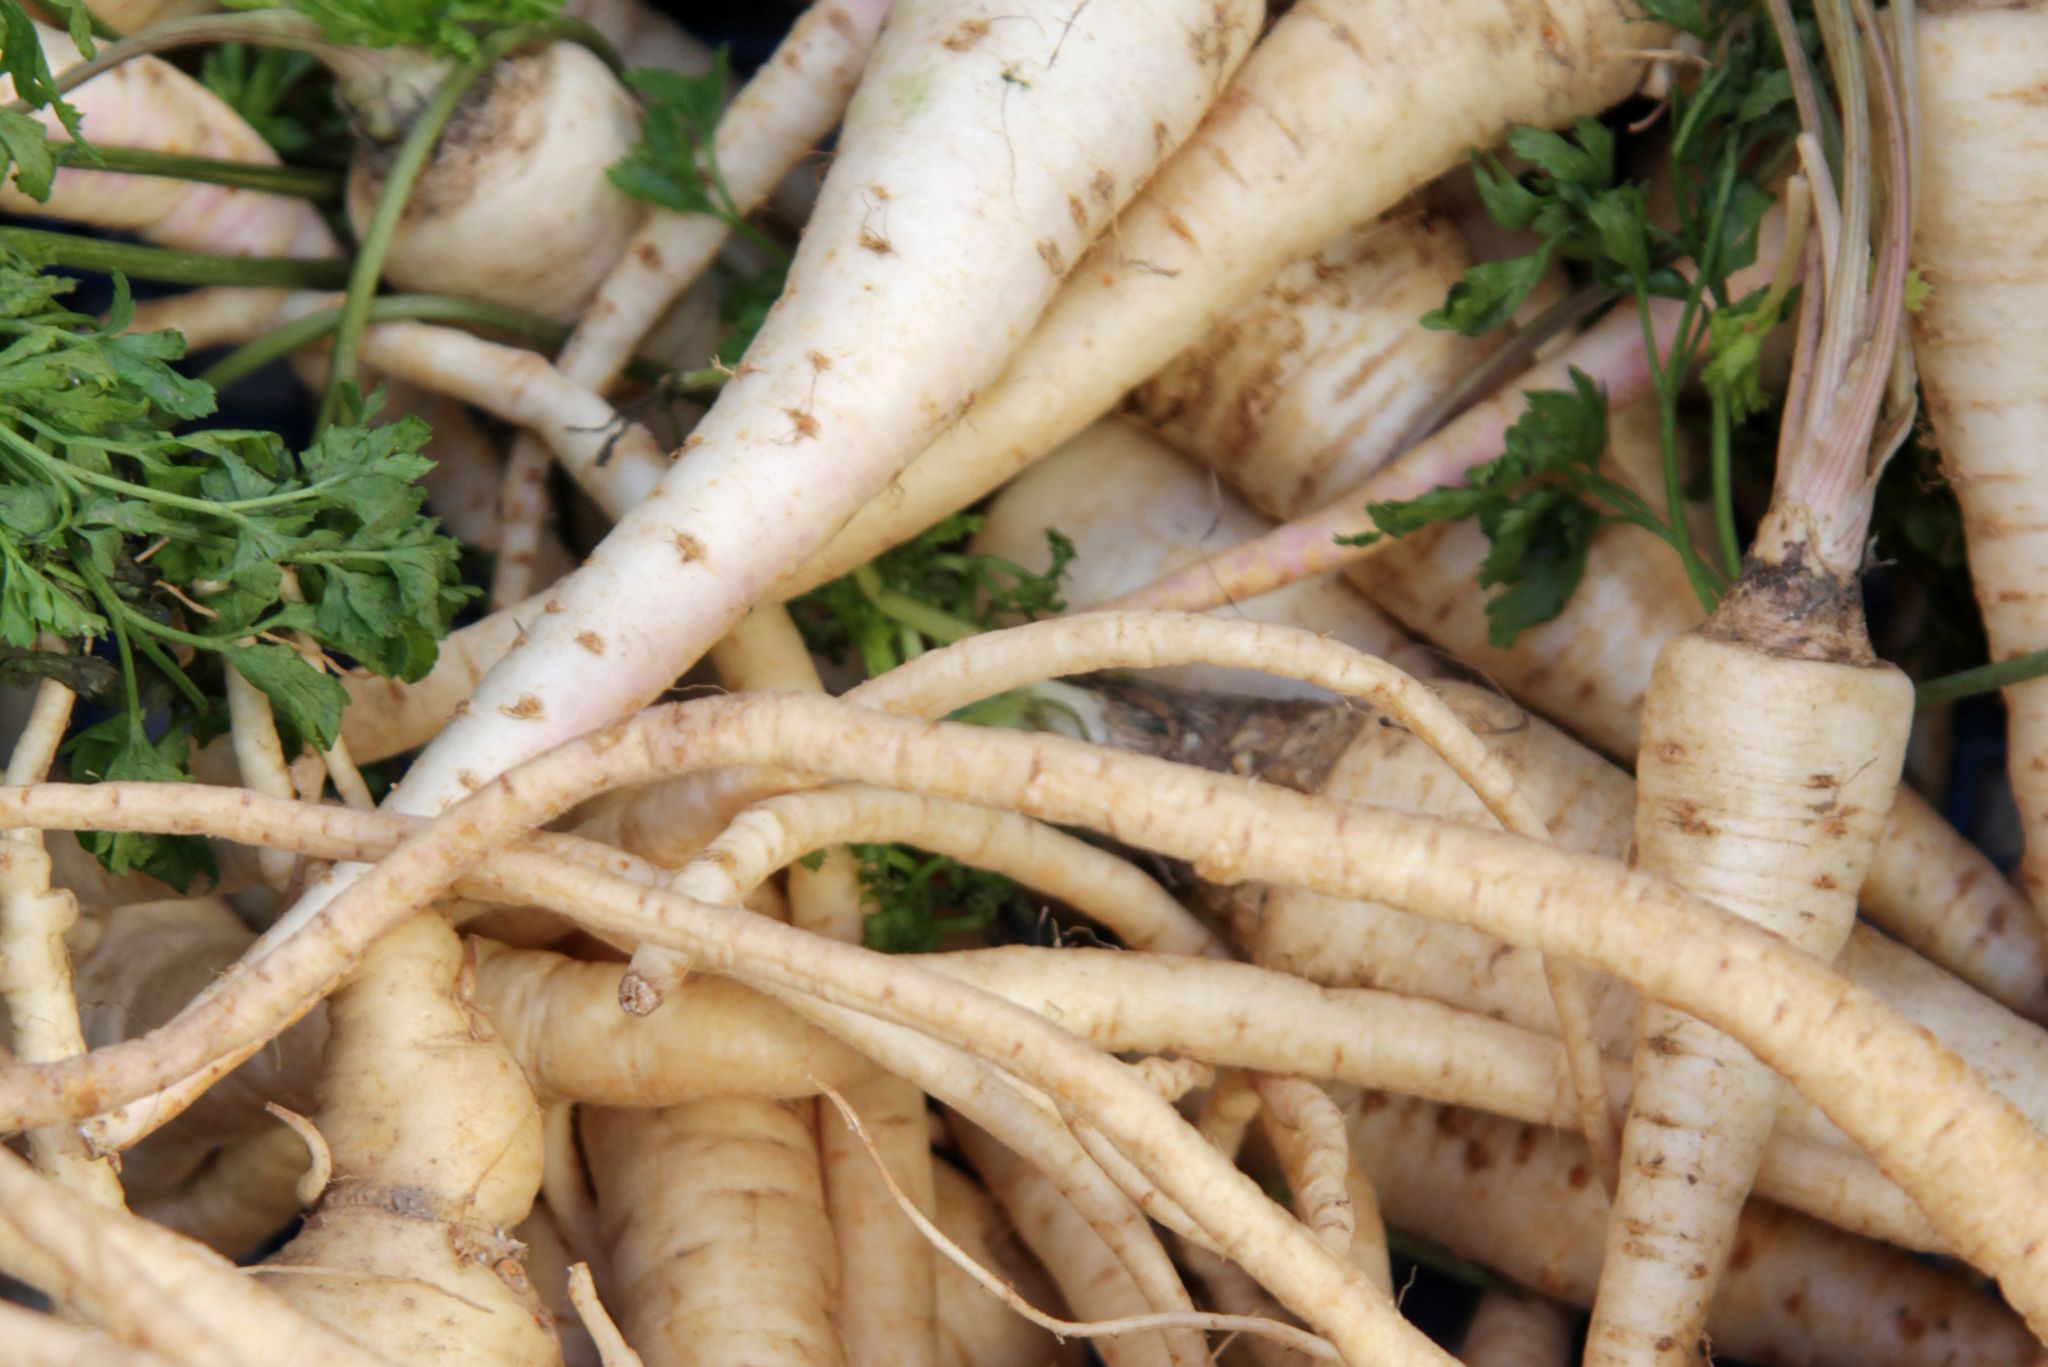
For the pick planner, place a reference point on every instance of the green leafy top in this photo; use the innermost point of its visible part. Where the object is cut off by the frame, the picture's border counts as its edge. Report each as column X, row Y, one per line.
column 24, row 144
column 1728, row 131
column 175, row 548
column 918, row 898
column 451, row 29
column 928, row 591
column 675, row 165
column 280, row 94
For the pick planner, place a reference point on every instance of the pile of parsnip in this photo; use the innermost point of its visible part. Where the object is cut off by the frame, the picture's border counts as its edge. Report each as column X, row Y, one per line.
column 1049, row 678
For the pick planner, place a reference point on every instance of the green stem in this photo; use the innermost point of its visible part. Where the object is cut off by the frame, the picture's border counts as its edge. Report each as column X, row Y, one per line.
column 405, row 170
column 923, row 618
column 172, row 267
column 299, row 182
column 1667, row 435
column 304, row 331
column 1721, row 427
column 111, row 607
column 544, row 334
column 1989, row 678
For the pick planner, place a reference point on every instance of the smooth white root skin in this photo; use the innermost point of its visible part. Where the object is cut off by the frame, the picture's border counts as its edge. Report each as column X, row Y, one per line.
column 713, row 1220
column 150, row 105
column 436, row 1142
column 555, row 118
column 974, row 1328
column 1523, row 1200
column 39, row 1340
column 1345, row 106
column 1762, row 786
column 1515, row 1331
column 1985, row 319
column 614, row 460
column 1141, row 517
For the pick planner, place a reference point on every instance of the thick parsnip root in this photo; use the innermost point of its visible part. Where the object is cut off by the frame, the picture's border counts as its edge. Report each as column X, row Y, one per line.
column 1324, row 366
column 437, row 1155
column 1590, row 668
column 777, row 117
column 1145, row 515
column 1346, row 106
column 1982, row 326
column 1762, row 785
column 159, row 1291
column 150, row 105
column 885, row 1271
column 555, row 117
column 1524, row 1201
column 1780, row 1002
column 713, row 1221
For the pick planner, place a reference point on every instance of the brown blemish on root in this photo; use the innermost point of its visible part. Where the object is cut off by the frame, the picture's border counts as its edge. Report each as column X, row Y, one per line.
column 527, row 708
column 806, row 425
column 689, row 548
column 649, row 256
column 591, row 642
column 965, row 36
column 1686, row 818
column 1049, row 253
column 876, row 243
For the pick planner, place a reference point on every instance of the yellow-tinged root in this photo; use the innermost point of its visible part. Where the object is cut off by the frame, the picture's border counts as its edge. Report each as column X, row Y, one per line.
column 713, row 1222
column 436, row 1144
column 1762, row 786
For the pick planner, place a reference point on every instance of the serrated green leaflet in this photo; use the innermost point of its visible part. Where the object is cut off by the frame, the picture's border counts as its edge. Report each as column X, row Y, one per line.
column 1730, row 124
column 920, row 898
column 451, row 29
column 928, row 591
column 180, row 550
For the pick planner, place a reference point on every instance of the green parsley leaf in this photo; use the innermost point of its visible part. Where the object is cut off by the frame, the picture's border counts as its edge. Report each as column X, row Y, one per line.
column 175, row 547
column 116, row 750
column 450, row 29
column 672, row 164
column 1534, row 503
column 284, row 96
column 24, row 143
column 919, row 898
column 928, row 591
